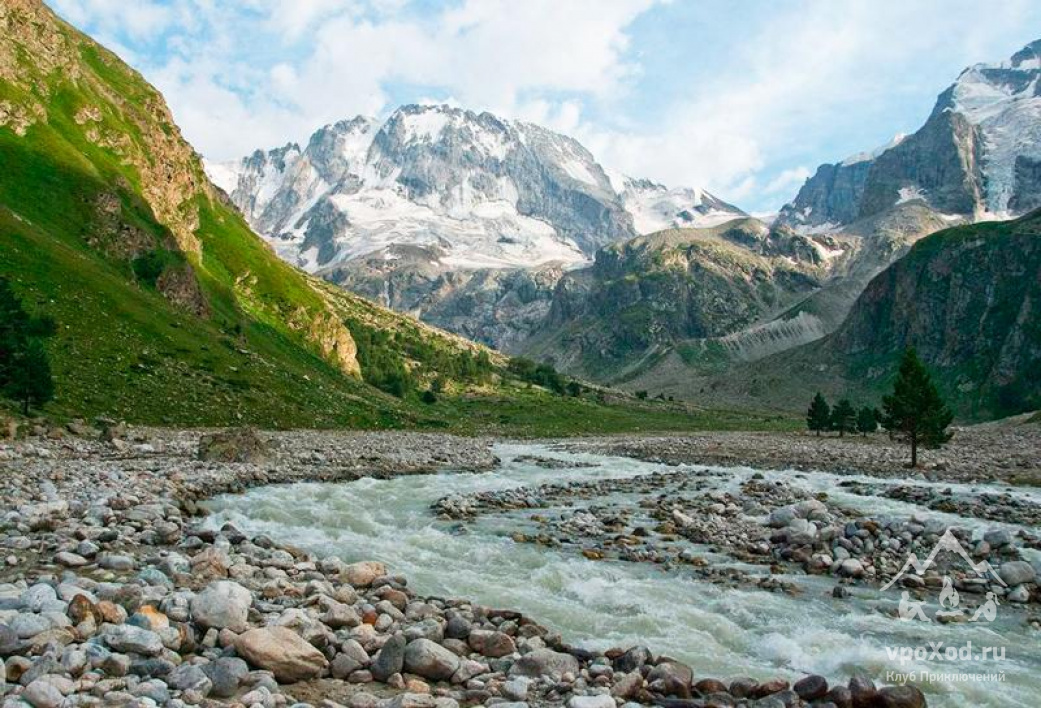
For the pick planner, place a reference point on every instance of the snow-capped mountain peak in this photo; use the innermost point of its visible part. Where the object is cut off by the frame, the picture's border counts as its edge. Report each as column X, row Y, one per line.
column 478, row 190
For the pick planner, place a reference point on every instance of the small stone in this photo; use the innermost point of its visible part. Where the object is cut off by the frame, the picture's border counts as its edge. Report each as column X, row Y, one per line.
column 1018, row 595
column 600, row 701
column 225, row 675
column 1017, row 573
column 43, row 694
column 545, row 662
column 188, row 677
column 491, row 644
column 70, row 560
column 116, row 562
column 133, row 640
column 900, row 697
column 362, row 574
column 390, row 660
column 811, row 688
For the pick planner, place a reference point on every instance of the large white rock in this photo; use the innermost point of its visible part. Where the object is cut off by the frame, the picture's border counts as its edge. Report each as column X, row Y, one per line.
column 222, row 605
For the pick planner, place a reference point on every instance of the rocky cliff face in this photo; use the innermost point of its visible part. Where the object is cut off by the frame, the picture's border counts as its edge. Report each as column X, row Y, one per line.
column 968, row 300
column 499, row 307
column 975, row 157
column 35, row 48
column 483, row 191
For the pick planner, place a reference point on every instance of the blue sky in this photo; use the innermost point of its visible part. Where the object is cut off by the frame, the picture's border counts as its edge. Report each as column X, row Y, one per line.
column 742, row 98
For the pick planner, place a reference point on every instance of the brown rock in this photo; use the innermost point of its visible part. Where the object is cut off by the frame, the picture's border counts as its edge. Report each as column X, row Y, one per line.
column 768, row 688
column 111, row 612
column 80, row 608
column 362, row 574
column 707, row 686
column 282, row 652
column 900, row 697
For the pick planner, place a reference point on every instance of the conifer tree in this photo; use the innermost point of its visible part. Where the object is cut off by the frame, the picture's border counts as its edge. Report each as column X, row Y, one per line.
column 30, row 382
column 25, row 370
column 844, row 417
column 867, row 420
column 915, row 411
column 818, row 417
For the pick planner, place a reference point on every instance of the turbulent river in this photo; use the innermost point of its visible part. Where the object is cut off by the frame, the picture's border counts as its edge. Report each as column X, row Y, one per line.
column 720, row 631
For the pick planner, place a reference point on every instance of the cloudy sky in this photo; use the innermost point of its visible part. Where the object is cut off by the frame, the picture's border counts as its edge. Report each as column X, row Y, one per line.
column 742, row 98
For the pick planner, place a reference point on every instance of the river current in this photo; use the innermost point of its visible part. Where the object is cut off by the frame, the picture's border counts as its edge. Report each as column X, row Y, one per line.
column 719, row 631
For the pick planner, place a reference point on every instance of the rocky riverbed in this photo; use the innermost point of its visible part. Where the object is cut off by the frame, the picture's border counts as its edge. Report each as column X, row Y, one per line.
column 773, row 526
column 115, row 591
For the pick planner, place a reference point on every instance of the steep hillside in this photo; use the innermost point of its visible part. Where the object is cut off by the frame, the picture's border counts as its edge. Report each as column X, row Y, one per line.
column 966, row 298
column 169, row 308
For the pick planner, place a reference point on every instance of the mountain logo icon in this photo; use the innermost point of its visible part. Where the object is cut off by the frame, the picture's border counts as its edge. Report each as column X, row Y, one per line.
column 949, row 598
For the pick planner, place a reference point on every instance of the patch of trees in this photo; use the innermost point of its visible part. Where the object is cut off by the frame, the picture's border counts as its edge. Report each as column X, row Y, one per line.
column 25, row 368
column 843, row 418
column 539, row 374
column 384, row 357
column 914, row 412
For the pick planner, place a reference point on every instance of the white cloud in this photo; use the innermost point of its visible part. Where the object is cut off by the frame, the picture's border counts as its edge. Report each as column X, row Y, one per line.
column 338, row 58
column 795, row 79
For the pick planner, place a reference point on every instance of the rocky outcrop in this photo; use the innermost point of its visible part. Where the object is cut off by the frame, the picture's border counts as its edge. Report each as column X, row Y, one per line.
column 170, row 174
column 967, row 300
column 659, row 290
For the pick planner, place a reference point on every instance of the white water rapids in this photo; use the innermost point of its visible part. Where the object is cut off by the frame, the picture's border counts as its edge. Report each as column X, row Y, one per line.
column 721, row 632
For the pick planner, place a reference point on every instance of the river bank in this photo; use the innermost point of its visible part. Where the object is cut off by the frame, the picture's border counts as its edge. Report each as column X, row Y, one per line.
column 996, row 452
column 115, row 593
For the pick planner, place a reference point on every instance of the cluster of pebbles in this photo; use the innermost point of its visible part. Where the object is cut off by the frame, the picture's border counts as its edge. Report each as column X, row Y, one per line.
column 692, row 517
column 113, row 592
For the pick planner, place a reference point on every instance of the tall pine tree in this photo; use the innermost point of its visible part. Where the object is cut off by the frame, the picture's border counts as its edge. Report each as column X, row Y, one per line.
column 843, row 417
column 915, row 409
column 818, row 417
column 867, row 420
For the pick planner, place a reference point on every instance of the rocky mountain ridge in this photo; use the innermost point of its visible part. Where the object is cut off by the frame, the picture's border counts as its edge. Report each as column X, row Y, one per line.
column 977, row 156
